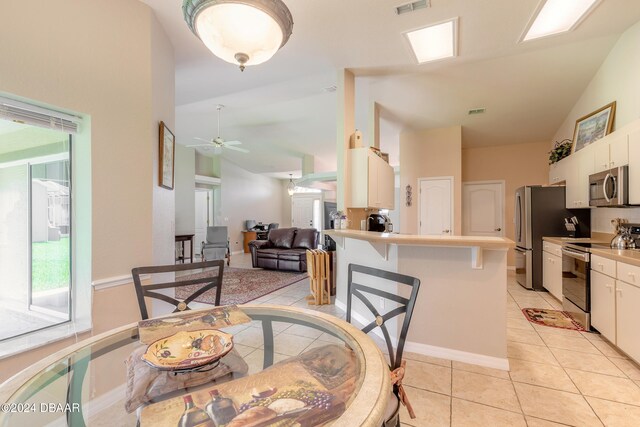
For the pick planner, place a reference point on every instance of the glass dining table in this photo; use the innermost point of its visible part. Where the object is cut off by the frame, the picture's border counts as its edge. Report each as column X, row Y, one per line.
column 341, row 379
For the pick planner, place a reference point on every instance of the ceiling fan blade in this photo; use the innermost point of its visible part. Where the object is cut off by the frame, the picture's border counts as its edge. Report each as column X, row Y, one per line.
column 232, row 143
column 198, row 145
column 202, row 139
column 242, row 150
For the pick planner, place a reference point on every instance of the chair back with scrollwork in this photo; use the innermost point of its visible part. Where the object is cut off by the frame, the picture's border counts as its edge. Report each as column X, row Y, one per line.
column 200, row 277
column 360, row 286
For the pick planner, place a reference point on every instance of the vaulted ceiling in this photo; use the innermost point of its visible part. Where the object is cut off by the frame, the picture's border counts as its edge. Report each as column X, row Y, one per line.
column 280, row 111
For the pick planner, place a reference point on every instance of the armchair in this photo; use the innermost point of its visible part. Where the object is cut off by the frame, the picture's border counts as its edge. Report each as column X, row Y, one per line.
column 216, row 245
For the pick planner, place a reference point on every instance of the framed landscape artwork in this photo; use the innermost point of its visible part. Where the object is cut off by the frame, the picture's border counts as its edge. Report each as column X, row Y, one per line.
column 167, row 153
column 594, row 126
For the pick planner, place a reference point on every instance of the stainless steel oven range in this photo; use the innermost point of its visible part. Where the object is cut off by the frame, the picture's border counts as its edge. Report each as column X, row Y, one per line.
column 576, row 280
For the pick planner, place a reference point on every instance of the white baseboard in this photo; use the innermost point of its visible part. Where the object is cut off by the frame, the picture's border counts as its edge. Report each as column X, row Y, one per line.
column 440, row 352
column 458, row 355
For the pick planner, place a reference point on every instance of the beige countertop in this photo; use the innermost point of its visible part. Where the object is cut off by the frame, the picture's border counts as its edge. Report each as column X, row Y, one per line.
column 419, row 240
column 562, row 240
column 629, row 256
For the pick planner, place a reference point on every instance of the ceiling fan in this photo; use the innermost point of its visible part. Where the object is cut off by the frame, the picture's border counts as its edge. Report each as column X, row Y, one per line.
column 218, row 143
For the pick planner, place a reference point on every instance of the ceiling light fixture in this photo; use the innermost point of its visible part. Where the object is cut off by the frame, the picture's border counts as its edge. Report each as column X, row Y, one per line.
column 557, row 16
column 291, row 187
column 243, row 32
column 438, row 41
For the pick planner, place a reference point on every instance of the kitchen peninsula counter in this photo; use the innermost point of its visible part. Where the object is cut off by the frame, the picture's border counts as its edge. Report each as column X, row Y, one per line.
column 461, row 306
column 420, row 240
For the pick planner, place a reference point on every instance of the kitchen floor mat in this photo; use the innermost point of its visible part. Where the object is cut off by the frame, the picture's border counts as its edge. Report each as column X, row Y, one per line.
column 553, row 318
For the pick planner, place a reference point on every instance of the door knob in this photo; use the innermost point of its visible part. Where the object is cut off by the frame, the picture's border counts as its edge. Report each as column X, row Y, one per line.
column 498, row 229
column 446, row 231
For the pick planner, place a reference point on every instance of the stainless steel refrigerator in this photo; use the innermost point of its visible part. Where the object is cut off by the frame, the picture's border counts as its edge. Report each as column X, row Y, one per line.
column 540, row 211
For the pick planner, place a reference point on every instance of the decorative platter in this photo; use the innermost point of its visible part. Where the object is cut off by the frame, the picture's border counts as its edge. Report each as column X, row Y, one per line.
column 187, row 350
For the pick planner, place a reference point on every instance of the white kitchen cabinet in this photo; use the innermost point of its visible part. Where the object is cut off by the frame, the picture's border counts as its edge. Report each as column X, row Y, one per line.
column 634, row 167
column 386, row 185
column 611, row 152
column 629, row 273
column 558, row 171
column 581, row 165
column 552, row 270
column 371, row 180
column 628, row 319
column 552, row 248
column 619, row 148
column 603, row 305
column 603, row 265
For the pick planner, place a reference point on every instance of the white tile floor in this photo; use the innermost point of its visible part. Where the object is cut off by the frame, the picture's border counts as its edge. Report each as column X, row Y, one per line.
column 557, row 377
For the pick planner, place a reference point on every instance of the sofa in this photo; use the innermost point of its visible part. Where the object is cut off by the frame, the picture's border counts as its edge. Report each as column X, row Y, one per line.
column 284, row 249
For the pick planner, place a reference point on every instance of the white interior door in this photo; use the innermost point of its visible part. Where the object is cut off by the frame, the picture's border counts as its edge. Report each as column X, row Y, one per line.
column 436, row 206
column 305, row 212
column 483, row 209
column 203, row 213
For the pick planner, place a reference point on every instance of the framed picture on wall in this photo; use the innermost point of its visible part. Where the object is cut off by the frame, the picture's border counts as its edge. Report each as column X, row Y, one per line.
column 167, row 154
column 594, row 126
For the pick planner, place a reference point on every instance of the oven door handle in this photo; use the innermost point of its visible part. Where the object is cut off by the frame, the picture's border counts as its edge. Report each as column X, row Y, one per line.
column 582, row 256
column 604, row 187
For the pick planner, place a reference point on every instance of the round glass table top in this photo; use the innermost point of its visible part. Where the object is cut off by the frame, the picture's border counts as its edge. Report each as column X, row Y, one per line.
column 288, row 367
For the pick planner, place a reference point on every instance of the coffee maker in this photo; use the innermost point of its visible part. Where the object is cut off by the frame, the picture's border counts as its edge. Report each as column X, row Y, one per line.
column 380, row 223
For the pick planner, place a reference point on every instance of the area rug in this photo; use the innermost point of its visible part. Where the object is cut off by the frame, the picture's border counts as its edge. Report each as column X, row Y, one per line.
column 553, row 318
column 241, row 285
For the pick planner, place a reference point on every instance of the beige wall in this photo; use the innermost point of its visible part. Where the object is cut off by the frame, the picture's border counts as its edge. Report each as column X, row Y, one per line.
column 185, row 190
column 616, row 80
column 516, row 164
column 162, row 109
column 246, row 195
column 102, row 59
column 430, row 153
column 206, row 165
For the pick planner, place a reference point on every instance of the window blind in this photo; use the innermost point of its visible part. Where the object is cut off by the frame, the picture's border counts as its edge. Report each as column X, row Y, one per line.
column 21, row 112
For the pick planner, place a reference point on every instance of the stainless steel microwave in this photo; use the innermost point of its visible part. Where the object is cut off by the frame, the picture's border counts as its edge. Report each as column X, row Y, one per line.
column 609, row 188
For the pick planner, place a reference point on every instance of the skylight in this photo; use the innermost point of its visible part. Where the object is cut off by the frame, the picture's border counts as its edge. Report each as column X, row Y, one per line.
column 434, row 42
column 558, row 16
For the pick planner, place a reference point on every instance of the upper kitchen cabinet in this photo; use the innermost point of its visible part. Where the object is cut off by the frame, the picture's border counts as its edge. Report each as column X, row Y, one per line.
column 579, row 167
column 371, row 180
column 558, row 171
column 611, row 152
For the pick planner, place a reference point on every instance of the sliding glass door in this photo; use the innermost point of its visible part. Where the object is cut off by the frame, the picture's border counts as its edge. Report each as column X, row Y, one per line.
column 51, row 238
column 35, row 228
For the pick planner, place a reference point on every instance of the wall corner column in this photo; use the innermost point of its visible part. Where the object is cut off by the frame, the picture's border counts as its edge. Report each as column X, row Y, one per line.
column 345, row 127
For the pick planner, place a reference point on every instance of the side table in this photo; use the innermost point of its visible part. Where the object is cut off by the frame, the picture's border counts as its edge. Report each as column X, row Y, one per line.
column 181, row 238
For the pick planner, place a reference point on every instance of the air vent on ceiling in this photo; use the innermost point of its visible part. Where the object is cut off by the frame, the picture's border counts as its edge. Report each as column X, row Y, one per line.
column 330, row 88
column 413, row 6
column 477, row 111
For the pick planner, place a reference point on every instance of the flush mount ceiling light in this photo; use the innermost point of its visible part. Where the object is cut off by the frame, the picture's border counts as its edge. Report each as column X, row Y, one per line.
column 291, row 187
column 557, row 16
column 243, row 32
column 434, row 42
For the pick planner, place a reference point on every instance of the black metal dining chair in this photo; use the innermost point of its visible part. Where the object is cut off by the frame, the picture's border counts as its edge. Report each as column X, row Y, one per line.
column 399, row 305
column 207, row 274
